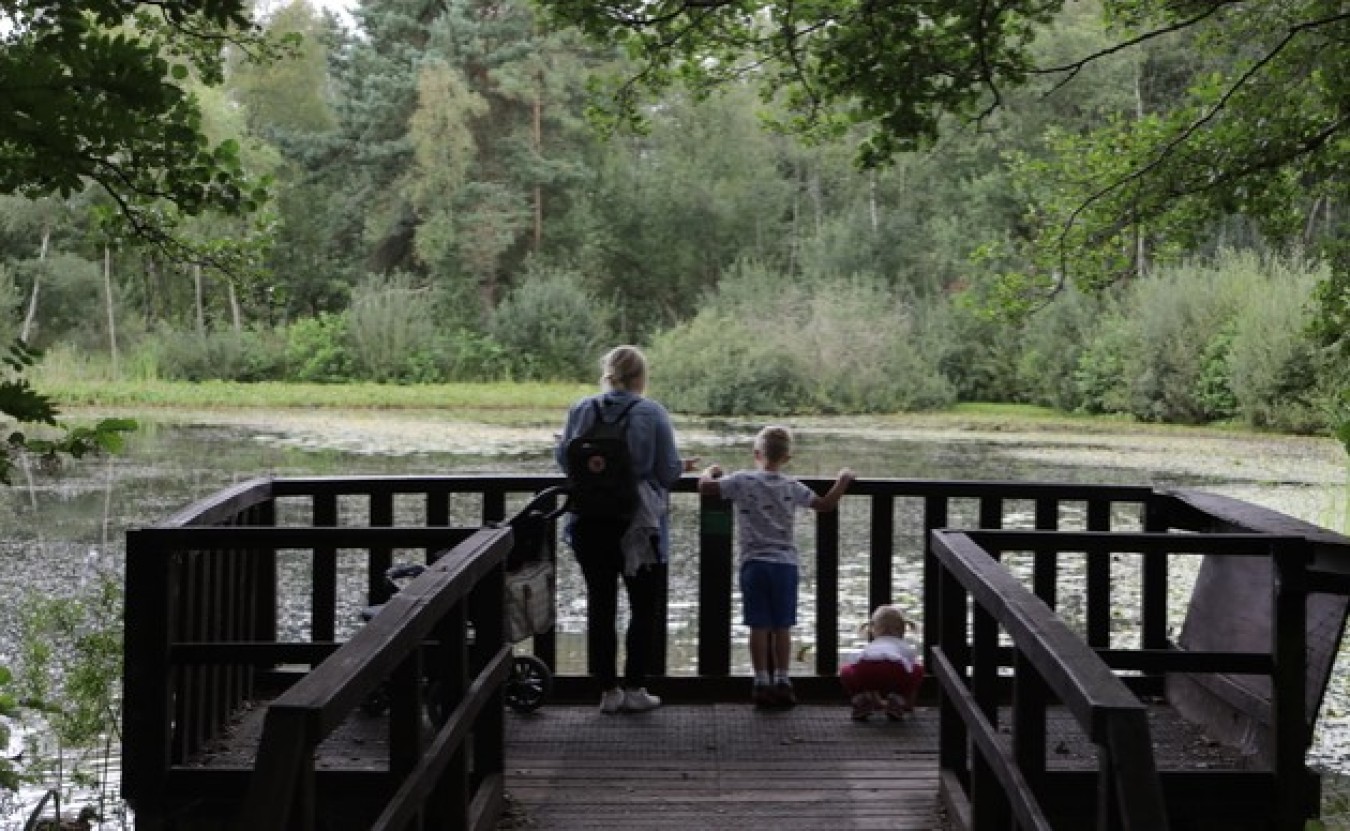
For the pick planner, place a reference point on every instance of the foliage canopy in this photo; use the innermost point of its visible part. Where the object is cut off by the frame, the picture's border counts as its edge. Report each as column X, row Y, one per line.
column 1256, row 127
column 96, row 91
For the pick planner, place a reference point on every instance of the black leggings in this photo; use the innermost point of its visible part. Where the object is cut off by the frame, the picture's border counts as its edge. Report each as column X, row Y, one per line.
column 601, row 559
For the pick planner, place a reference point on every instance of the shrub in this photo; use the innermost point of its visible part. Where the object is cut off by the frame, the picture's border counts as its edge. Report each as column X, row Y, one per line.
column 977, row 355
column 1100, row 373
column 714, row 365
column 227, row 355
column 1054, row 341
column 1176, row 316
column 392, row 329
column 765, row 344
column 316, row 349
column 466, row 355
column 551, row 327
column 1275, row 376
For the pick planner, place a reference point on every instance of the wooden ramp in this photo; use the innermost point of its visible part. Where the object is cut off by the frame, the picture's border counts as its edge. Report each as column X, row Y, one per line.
column 710, row 767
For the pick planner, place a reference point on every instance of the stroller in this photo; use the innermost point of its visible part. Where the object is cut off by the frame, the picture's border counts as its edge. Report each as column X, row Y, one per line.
column 530, row 590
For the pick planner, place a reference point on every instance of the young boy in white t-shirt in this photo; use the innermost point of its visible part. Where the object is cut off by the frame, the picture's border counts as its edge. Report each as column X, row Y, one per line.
column 766, row 501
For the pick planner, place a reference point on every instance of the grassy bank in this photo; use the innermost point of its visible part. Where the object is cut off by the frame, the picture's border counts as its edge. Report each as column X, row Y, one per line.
column 531, row 402
column 269, row 395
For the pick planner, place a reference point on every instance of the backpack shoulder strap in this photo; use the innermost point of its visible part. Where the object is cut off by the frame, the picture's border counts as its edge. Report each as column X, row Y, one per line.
column 600, row 413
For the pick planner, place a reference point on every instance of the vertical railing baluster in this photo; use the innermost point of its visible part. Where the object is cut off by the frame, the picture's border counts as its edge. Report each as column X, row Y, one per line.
column 1098, row 579
column 1154, row 584
column 1030, row 697
column 1289, row 616
column 827, row 593
column 380, row 558
column 1045, row 569
column 881, row 551
column 988, row 803
column 934, row 517
column 715, row 562
column 323, row 593
column 950, row 620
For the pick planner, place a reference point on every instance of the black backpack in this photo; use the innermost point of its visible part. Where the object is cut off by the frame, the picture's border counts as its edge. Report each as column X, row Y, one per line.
column 600, row 469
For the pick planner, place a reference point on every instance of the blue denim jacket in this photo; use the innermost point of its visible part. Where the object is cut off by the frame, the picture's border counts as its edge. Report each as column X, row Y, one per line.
column 651, row 441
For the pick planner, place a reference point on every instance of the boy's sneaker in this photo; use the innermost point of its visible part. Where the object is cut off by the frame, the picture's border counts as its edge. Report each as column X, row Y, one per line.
column 763, row 696
column 896, row 707
column 611, row 701
column 783, row 696
column 640, row 701
column 864, row 705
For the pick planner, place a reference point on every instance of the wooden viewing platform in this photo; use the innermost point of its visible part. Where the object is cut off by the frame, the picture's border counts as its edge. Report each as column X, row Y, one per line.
column 1031, row 720
column 720, row 766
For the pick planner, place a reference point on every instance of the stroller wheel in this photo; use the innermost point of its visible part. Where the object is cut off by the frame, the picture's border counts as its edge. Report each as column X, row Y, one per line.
column 529, row 684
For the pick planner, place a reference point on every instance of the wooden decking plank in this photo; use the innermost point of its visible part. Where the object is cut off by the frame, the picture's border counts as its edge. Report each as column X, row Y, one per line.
column 722, row 766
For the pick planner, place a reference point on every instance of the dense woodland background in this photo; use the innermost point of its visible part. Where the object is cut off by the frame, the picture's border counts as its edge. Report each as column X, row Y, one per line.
column 444, row 208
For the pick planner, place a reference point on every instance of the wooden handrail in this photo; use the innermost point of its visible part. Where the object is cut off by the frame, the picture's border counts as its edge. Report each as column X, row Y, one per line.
column 281, row 789
column 1111, row 716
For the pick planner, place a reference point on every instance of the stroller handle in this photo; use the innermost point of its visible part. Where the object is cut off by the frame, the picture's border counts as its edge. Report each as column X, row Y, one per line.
column 533, row 510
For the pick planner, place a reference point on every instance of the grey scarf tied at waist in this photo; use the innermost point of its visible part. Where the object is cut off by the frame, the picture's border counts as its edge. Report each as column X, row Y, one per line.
column 640, row 543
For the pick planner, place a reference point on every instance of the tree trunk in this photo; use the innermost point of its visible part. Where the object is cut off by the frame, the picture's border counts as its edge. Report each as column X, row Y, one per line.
column 538, row 151
column 112, row 322
column 235, row 315
column 31, row 316
column 1140, row 239
column 872, row 208
column 197, row 287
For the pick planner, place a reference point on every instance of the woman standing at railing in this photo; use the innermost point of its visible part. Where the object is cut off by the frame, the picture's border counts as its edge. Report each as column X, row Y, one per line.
column 615, row 542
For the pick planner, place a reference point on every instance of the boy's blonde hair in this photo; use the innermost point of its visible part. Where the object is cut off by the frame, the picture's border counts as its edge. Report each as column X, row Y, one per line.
column 774, row 442
column 889, row 620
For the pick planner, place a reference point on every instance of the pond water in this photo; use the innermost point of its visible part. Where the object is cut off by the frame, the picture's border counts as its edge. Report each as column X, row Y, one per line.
column 57, row 526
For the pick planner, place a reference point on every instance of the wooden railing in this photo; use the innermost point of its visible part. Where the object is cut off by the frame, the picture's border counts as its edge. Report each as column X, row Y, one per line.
column 203, row 599
column 1007, row 782
column 438, row 783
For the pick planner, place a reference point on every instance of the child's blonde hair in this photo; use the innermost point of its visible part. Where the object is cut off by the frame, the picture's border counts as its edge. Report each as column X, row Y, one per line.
column 889, row 620
column 774, row 442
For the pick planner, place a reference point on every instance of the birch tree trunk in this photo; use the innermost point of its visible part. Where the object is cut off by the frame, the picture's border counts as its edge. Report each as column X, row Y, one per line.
column 197, row 287
column 31, row 316
column 112, row 323
column 235, row 315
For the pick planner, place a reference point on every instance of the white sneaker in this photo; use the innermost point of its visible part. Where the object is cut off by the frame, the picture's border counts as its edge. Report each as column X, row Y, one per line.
column 640, row 701
column 611, row 701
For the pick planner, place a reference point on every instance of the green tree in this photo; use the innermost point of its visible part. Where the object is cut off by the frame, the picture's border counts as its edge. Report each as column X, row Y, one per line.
column 95, row 92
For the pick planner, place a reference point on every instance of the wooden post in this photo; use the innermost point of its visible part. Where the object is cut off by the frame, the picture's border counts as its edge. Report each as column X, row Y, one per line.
column 1289, row 686
column 1030, row 698
column 882, row 551
column 1153, row 573
column 1045, row 574
column 934, row 517
column 715, row 562
column 323, row 593
column 950, row 625
column 827, row 593
column 1099, row 579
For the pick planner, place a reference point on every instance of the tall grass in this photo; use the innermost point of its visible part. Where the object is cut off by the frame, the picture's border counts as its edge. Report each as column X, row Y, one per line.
column 71, row 392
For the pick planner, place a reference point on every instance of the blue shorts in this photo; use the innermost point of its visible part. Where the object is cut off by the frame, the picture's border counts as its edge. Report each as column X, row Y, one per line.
column 769, row 594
